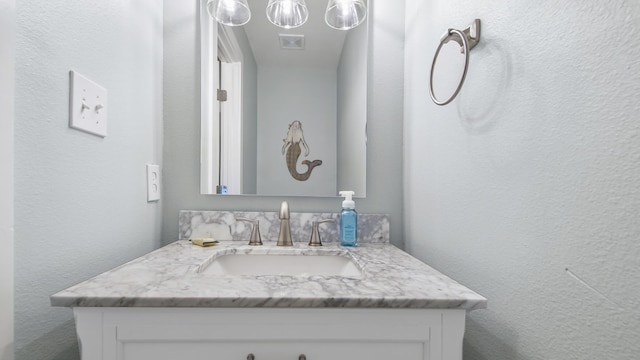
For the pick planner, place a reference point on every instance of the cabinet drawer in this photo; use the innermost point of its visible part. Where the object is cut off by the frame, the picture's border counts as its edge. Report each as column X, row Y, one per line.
column 319, row 334
column 274, row 351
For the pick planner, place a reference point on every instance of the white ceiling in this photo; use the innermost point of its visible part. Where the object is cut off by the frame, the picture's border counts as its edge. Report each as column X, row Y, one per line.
column 323, row 44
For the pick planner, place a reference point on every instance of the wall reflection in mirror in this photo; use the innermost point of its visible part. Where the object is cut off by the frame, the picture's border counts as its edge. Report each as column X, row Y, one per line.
column 291, row 119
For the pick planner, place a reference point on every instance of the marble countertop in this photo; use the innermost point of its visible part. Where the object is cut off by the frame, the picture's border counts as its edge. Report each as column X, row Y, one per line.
column 170, row 277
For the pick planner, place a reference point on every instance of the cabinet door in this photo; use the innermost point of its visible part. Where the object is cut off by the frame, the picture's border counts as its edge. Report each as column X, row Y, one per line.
column 273, row 351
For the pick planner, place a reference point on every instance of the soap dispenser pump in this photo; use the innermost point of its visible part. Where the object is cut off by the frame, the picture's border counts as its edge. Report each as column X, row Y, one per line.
column 348, row 220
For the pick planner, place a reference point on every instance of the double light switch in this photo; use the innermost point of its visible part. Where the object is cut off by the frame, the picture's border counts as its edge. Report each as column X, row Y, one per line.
column 87, row 105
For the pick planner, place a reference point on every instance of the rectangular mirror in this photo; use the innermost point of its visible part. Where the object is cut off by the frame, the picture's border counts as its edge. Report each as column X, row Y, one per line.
column 291, row 119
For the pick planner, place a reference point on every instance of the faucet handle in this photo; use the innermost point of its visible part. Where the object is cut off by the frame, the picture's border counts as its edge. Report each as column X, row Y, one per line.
column 255, row 238
column 315, row 234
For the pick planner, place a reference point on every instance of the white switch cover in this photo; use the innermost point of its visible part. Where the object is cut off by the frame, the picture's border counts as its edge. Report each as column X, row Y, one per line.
column 87, row 105
column 153, row 182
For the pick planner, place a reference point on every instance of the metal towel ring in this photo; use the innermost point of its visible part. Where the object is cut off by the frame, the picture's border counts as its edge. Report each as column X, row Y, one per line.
column 467, row 39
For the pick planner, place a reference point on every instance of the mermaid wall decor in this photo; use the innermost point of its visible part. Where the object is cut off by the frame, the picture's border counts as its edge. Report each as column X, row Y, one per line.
column 291, row 145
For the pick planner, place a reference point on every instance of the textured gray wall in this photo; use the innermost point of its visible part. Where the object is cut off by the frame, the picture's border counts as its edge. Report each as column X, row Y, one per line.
column 80, row 200
column 182, row 124
column 249, row 112
column 532, row 171
column 7, row 52
column 352, row 111
column 309, row 95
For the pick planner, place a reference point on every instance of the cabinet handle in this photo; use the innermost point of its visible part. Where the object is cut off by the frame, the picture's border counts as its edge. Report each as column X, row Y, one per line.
column 301, row 357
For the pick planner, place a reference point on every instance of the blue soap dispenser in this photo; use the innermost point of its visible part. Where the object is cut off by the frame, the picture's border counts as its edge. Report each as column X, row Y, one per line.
column 348, row 220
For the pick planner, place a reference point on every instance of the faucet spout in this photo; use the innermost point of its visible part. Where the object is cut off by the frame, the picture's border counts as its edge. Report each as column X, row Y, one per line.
column 284, row 210
column 284, row 239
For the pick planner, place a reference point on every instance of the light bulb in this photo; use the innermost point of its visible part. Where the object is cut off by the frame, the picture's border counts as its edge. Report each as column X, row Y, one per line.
column 287, row 7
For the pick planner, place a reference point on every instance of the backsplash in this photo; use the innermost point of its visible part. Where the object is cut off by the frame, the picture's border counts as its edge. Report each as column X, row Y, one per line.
column 221, row 225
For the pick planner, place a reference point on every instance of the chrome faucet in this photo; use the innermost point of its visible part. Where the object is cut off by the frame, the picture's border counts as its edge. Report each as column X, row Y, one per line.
column 284, row 239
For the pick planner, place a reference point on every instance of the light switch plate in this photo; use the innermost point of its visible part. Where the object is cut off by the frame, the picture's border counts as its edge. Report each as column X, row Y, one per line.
column 87, row 105
column 153, row 182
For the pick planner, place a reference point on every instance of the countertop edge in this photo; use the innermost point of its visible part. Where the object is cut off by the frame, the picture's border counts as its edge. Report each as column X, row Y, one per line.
column 395, row 280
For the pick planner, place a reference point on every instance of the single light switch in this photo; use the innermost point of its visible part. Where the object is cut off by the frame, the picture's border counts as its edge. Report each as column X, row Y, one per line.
column 87, row 105
column 153, row 182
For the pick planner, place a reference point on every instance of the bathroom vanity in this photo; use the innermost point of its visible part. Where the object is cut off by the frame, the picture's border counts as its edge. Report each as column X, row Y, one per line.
column 188, row 302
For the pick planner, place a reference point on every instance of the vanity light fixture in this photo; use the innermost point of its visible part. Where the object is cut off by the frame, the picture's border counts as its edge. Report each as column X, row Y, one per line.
column 345, row 14
column 229, row 12
column 289, row 14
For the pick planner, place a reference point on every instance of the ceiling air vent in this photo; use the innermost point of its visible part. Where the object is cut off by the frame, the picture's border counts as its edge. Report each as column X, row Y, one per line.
column 291, row 42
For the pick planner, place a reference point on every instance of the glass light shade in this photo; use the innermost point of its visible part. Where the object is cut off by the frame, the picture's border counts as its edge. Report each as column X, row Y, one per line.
column 287, row 14
column 345, row 14
column 229, row 12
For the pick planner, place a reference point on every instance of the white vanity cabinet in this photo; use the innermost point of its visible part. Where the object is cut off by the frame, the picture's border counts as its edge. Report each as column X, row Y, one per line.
column 130, row 333
column 162, row 306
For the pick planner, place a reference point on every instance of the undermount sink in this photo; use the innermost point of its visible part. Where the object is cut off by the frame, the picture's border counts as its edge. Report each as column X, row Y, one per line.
column 284, row 264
